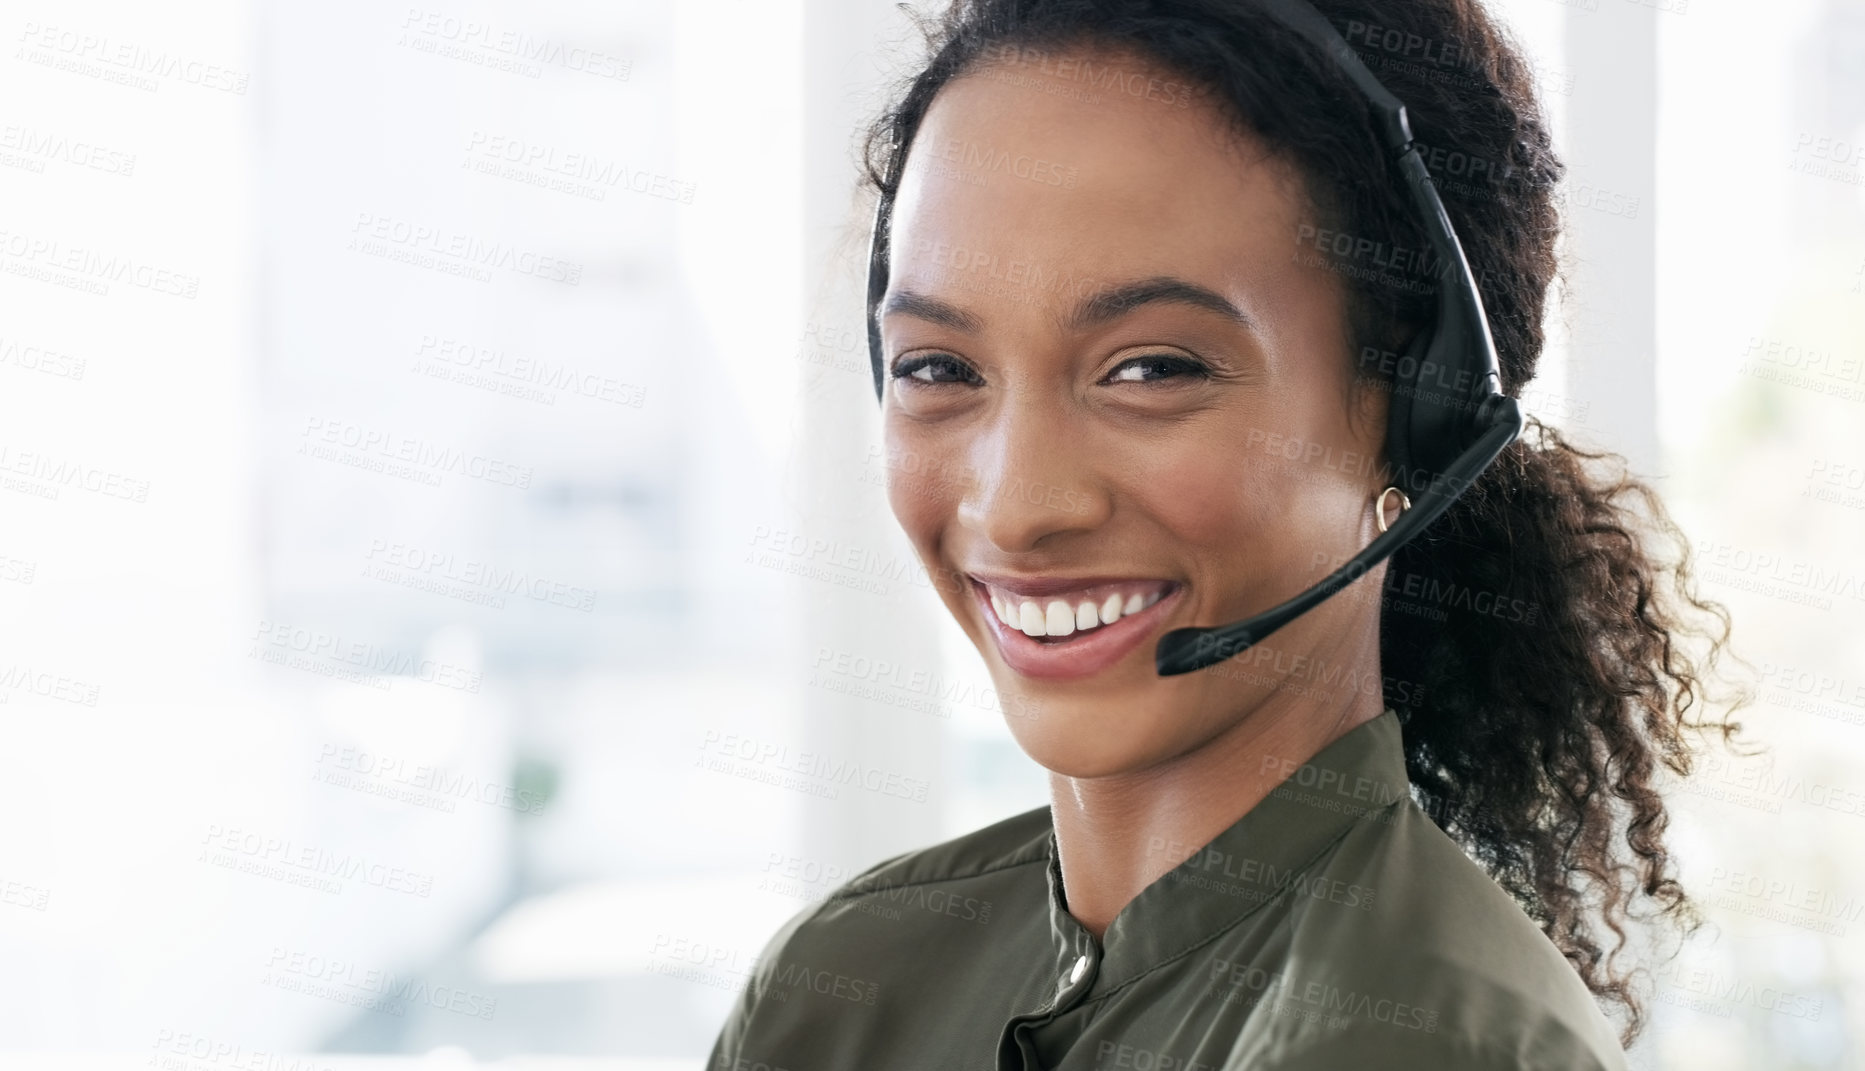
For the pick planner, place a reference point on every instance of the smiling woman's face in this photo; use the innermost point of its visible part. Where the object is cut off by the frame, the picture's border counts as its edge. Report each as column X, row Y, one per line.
column 1180, row 450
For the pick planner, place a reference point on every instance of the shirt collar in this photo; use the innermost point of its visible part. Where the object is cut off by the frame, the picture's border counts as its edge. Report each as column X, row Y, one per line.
column 1242, row 869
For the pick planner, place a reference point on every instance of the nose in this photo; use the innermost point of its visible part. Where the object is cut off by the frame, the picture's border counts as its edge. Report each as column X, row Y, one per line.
column 1033, row 475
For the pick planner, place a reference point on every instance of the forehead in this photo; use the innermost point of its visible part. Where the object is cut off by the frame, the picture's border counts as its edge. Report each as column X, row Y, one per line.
column 1087, row 166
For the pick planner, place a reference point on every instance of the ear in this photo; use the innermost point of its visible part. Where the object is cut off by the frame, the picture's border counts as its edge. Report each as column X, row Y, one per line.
column 1371, row 408
column 1369, row 402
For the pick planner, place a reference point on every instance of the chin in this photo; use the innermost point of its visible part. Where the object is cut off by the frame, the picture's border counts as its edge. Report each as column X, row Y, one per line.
column 1090, row 737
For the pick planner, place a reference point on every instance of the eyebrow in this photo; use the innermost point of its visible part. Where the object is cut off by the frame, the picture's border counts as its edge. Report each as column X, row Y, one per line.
column 1096, row 309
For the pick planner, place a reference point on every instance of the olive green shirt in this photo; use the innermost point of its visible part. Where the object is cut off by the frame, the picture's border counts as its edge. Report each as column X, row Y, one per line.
column 1332, row 927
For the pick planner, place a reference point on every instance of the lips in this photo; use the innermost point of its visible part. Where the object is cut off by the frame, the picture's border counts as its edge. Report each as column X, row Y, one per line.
column 1086, row 641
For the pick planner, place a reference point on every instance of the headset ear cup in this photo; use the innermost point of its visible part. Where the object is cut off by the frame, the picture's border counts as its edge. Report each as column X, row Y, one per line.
column 876, row 286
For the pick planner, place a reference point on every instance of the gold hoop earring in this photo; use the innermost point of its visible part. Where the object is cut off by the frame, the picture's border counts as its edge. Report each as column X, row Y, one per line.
column 1379, row 505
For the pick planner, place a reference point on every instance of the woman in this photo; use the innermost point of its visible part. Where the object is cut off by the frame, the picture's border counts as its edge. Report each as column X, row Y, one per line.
column 1136, row 380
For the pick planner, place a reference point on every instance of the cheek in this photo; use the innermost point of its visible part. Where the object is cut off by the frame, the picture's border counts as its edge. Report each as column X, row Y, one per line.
column 1243, row 512
column 1206, row 495
column 922, row 489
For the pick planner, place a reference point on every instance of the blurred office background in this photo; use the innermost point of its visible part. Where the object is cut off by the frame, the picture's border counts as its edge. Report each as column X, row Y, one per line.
column 425, row 565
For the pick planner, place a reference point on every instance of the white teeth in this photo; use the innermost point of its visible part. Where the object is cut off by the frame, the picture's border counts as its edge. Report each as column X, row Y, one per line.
column 1030, row 619
column 1061, row 617
column 1110, row 610
column 1060, row 620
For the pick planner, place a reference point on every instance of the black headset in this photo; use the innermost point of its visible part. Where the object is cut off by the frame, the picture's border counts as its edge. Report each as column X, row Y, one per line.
column 1439, row 439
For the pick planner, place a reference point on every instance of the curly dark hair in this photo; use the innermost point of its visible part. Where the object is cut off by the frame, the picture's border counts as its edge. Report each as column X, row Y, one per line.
column 1534, row 737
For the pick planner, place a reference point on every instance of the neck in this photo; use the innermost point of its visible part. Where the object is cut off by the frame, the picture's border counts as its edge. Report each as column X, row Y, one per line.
column 1116, row 835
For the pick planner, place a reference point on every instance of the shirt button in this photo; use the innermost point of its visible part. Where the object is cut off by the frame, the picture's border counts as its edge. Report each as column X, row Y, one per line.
column 1081, row 968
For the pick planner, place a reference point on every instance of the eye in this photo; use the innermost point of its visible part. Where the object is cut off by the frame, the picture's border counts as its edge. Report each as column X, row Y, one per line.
column 910, row 367
column 1168, row 365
